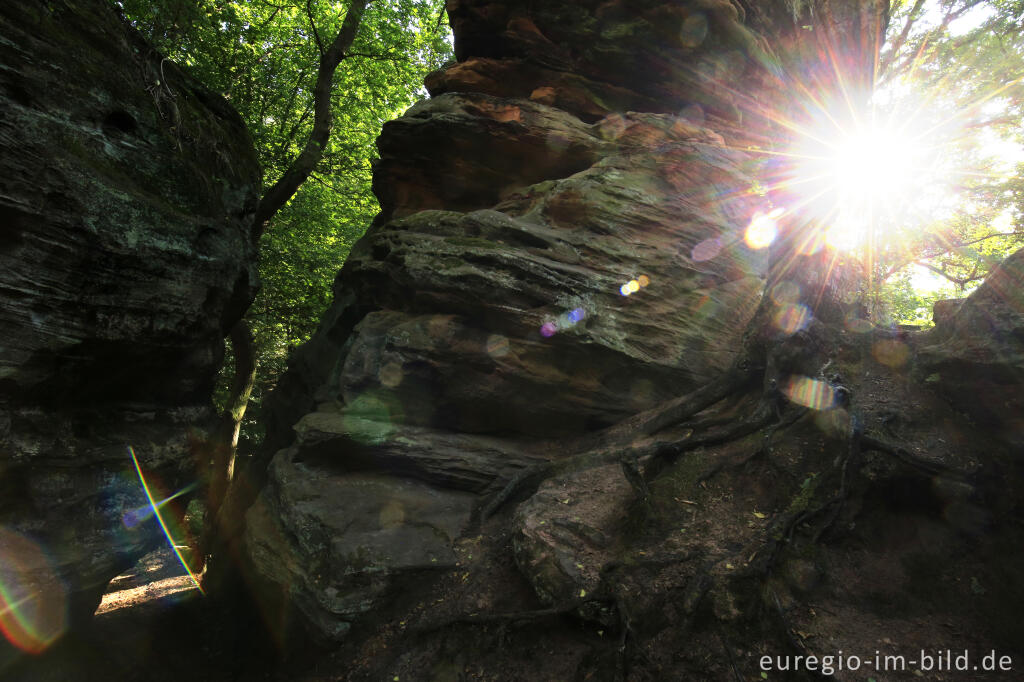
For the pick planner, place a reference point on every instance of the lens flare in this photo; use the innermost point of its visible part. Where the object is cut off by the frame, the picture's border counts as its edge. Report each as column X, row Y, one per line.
column 706, row 250
column 812, row 393
column 763, row 229
column 857, row 325
column 391, row 515
column 892, row 353
column 565, row 321
column 163, row 525
column 844, row 235
column 370, row 417
column 785, row 293
column 33, row 601
column 497, row 346
column 792, row 318
column 810, row 242
column 634, row 285
column 133, row 517
column 873, row 163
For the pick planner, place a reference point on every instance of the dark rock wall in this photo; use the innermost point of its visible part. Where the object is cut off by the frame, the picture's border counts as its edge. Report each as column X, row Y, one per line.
column 126, row 196
column 574, row 149
column 975, row 353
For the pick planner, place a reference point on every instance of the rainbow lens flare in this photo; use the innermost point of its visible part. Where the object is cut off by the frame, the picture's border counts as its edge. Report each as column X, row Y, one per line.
column 812, row 393
column 565, row 321
column 134, row 517
column 792, row 318
column 155, row 507
column 33, row 601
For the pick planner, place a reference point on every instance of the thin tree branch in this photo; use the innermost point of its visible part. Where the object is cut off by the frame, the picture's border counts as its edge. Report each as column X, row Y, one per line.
column 896, row 267
column 912, row 59
column 283, row 190
column 379, row 57
column 897, row 44
column 312, row 24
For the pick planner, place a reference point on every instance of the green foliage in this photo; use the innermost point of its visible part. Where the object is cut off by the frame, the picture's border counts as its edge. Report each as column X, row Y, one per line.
column 263, row 55
column 954, row 68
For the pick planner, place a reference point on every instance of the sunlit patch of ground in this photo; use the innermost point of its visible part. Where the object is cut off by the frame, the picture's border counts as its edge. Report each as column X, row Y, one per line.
column 157, row 576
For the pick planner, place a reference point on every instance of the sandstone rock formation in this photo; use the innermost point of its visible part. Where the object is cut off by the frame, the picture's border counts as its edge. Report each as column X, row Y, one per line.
column 975, row 354
column 556, row 309
column 126, row 194
column 484, row 310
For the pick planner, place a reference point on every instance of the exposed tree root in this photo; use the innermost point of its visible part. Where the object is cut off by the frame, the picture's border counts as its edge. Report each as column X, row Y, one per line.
column 659, row 454
column 649, row 443
column 665, row 454
column 926, row 467
column 514, row 618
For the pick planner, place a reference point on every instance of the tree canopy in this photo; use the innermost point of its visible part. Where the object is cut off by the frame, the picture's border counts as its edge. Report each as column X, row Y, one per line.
column 951, row 75
column 263, row 56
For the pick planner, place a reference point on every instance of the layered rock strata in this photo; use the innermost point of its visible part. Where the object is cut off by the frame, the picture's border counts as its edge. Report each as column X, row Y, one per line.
column 126, row 196
column 560, row 246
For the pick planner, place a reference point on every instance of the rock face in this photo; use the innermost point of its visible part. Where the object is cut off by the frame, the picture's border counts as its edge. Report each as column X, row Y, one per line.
column 561, row 249
column 975, row 354
column 560, row 246
column 487, row 304
column 126, row 194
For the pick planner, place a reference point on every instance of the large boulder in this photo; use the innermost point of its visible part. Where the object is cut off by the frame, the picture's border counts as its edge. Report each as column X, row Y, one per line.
column 555, row 253
column 126, row 254
column 557, row 313
column 975, row 353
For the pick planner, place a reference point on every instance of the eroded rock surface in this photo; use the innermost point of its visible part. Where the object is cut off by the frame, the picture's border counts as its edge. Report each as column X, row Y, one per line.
column 125, row 255
column 488, row 297
column 481, row 341
column 975, row 354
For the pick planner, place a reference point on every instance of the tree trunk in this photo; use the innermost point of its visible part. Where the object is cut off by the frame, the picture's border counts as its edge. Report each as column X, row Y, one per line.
column 286, row 186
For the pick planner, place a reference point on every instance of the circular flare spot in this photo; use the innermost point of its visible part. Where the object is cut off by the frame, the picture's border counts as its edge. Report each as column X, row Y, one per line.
column 792, row 318
column 785, row 293
column 891, row 353
column 763, row 229
column 694, row 30
column 497, row 346
column 391, row 375
column 548, row 329
column 33, row 602
column 630, row 287
column 633, row 286
column 858, row 325
column 369, row 418
column 835, row 423
column 392, row 514
column 706, row 250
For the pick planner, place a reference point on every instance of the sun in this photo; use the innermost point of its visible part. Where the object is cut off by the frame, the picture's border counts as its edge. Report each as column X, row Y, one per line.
column 876, row 164
column 853, row 179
